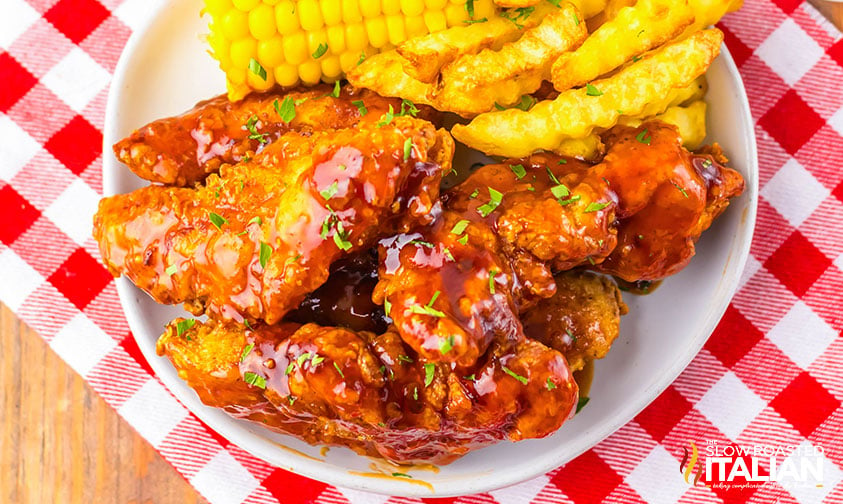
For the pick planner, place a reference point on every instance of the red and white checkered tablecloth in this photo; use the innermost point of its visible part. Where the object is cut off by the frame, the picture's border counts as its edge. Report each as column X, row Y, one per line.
column 770, row 374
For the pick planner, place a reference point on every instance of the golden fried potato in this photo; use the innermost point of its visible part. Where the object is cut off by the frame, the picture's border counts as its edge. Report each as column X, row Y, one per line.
column 689, row 119
column 709, row 12
column 425, row 56
column 608, row 13
column 475, row 83
column 577, row 112
column 589, row 148
column 633, row 31
column 589, row 8
column 384, row 74
column 516, row 3
column 682, row 96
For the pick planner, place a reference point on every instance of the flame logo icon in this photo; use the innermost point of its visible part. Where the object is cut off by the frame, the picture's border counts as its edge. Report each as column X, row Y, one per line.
column 688, row 470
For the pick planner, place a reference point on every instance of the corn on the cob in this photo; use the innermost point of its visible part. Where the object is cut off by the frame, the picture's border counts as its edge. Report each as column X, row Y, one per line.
column 260, row 43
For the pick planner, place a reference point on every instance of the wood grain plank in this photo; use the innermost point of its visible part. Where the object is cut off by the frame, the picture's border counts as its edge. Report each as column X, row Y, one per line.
column 60, row 442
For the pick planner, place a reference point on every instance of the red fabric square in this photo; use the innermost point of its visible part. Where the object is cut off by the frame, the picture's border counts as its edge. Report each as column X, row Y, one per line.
column 797, row 263
column 291, row 488
column 733, row 337
column 76, row 145
column 76, row 18
column 791, row 121
column 586, row 468
column 662, row 415
column 740, row 52
column 804, row 403
column 19, row 214
column 80, row 278
column 836, row 52
column 788, row 6
column 130, row 346
column 16, row 79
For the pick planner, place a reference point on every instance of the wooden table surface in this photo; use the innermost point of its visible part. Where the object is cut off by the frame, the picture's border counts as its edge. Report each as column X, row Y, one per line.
column 59, row 442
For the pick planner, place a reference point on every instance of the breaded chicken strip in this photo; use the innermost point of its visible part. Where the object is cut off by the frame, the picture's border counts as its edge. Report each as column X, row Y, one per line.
column 258, row 237
column 183, row 150
column 371, row 392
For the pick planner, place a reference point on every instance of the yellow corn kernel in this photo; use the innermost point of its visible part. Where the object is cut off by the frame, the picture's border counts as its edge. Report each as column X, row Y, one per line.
column 390, row 7
column 238, row 77
column 295, row 48
column 336, row 38
column 215, row 7
column 435, row 5
column 262, row 22
column 235, row 24
column 395, row 29
column 245, row 5
column 435, row 21
column 242, row 52
column 271, row 2
column 285, row 17
column 257, row 83
column 331, row 67
column 317, row 42
column 349, row 60
column 287, row 75
column 331, row 12
column 415, row 26
column 370, row 8
column 351, row 11
column 310, row 16
column 412, row 7
column 271, row 52
column 484, row 9
column 376, row 30
column 310, row 72
column 356, row 38
column 456, row 14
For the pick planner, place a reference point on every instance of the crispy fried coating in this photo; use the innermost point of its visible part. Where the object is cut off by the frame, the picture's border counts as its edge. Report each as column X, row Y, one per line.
column 371, row 392
column 576, row 112
column 183, row 150
column 581, row 320
column 253, row 241
column 633, row 31
column 667, row 197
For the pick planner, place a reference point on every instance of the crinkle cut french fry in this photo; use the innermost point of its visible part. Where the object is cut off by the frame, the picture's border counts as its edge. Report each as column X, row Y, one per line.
column 689, row 119
column 633, row 31
column 589, row 148
column 576, row 112
column 384, row 74
column 694, row 91
column 709, row 12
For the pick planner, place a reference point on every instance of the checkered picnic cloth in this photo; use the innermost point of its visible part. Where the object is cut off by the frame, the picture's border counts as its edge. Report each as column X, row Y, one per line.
column 771, row 372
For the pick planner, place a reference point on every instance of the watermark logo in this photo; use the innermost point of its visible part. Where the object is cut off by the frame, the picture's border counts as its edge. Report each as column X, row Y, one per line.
column 735, row 465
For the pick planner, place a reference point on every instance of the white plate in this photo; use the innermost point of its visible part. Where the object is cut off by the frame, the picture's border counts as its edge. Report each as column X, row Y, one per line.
column 165, row 69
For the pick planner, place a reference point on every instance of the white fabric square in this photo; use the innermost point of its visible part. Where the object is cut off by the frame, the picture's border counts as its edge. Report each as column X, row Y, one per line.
column 82, row 344
column 802, row 335
column 794, row 192
column 839, row 262
column 73, row 211
column 790, row 52
column 17, row 17
column 836, row 121
column 522, row 493
column 752, row 267
column 76, row 79
column 19, row 280
column 153, row 412
column 223, row 480
column 730, row 405
column 135, row 13
column 657, row 478
column 16, row 147
column 807, row 491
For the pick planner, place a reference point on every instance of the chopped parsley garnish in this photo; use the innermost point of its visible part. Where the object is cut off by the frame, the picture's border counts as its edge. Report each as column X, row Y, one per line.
column 402, row 475
column 576, row 20
column 469, row 7
column 387, row 117
column 246, row 351
column 257, row 69
column 516, row 15
column 552, row 176
column 639, row 33
column 429, row 368
column 171, row 270
column 499, row 106
column 518, row 170
column 254, row 379
column 459, row 227
column 496, row 198
column 514, row 375
column 387, row 306
column 590, row 90
column 595, row 206
column 706, row 163
column 570, row 200
column 336, row 92
column 253, row 130
column 404, row 358
column 492, row 274
column 581, row 403
column 472, row 21
column 560, row 191
column 446, row 345
column 184, row 325
column 416, row 393
column 563, row 161
column 462, row 240
column 469, row 377
column 428, row 308
column 408, row 108
column 330, row 191
column 303, row 357
column 571, row 335
column 255, row 220
column 549, row 384
column 408, row 149
column 681, row 189
column 422, row 243
column 362, row 58
column 643, row 138
column 448, row 254
column 320, row 51
column 286, row 110
column 525, row 103
column 340, row 236
column 636, row 59
column 265, row 252
column 337, row 367
column 290, row 368
column 217, row 220
column 316, row 360
column 361, row 107
column 292, row 399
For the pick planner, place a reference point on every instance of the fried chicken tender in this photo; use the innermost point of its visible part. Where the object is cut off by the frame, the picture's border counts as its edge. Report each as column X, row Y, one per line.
column 581, row 320
column 666, row 195
column 258, row 237
column 183, row 150
column 371, row 392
